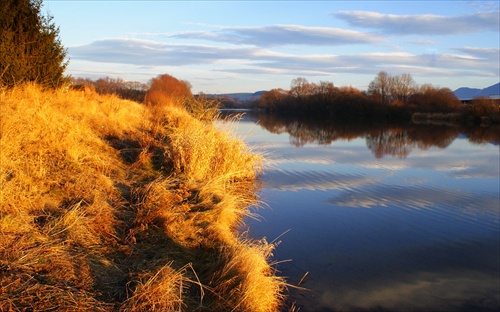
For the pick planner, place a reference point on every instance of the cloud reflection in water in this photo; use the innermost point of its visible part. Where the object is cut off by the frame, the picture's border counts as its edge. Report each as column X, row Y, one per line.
column 430, row 240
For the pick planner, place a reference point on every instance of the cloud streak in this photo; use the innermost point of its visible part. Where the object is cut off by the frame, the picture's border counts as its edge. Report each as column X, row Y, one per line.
column 280, row 35
column 249, row 59
column 425, row 24
column 237, row 50
column 484, row 53
column 154, row 53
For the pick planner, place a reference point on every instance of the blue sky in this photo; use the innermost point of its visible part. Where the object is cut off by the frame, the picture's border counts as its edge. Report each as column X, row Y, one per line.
column 247, row 46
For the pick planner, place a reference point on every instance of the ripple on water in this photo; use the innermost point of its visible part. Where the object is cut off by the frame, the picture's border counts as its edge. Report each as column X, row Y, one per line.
column 438, row 203
column 296, row 180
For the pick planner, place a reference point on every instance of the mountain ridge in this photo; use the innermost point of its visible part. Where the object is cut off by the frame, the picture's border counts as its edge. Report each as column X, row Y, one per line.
column 240, row 96
column 466, row 93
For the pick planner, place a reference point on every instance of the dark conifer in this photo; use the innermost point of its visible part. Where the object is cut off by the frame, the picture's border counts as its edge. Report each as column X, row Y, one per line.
column 30, row 49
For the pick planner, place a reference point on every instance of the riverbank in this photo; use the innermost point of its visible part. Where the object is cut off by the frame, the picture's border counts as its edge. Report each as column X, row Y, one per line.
column 109, row 205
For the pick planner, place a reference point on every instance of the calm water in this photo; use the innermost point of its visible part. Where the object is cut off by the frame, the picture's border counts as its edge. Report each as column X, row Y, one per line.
column 401, row 218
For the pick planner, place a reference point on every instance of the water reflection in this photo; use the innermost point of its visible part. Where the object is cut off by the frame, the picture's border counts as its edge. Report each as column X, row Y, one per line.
column 383, row 217
column 395, row 140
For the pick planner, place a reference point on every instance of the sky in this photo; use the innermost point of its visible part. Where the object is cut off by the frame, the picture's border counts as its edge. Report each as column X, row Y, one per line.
column 248, row 46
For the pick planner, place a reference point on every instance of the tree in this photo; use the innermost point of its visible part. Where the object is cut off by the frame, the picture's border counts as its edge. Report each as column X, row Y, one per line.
column 429, row 98
column 30, row 50
column 402, row 87
column 273, row 99
column 380, row 87
column 392, row 89
column 326, row 89
column 167, row 90
column 485, row 109
column 300, row 87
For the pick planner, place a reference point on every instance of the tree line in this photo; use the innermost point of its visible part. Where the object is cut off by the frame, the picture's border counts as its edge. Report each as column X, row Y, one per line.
column 30, row 51
column 161, row 90
column 129, row 90
column 387, row 96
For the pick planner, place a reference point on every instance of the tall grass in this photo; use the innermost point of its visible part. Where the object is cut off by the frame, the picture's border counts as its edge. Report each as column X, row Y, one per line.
column 107, row 205
column 58, row 199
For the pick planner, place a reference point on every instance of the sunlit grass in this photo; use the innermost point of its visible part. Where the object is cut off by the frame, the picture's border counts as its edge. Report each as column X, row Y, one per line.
column 106, row 204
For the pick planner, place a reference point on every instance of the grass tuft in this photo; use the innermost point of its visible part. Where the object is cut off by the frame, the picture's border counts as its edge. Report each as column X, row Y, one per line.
column 109, row 205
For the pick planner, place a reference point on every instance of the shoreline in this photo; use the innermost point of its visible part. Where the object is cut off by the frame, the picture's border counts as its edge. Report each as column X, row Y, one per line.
column 110, row 205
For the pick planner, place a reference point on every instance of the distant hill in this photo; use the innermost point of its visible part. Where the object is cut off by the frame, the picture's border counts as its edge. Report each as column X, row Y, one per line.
column 490, row 91
column 241, row 97
column 465, row 93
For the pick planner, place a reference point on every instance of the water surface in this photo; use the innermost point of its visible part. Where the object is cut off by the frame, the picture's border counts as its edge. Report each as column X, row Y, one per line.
column 380, row 217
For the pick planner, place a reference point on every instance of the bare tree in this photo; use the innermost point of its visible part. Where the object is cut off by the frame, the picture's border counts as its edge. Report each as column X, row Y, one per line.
column 380, row 87
column 300, row 87
column 402, row 86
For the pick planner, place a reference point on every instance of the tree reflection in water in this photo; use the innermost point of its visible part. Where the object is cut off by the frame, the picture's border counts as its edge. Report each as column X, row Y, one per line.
column 414, row 234
column 392, row 139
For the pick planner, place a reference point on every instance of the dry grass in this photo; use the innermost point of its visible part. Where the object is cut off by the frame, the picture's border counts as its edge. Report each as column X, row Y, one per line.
column 449, row 119
column 247, row 279
column 109, row 205
column 150, row 295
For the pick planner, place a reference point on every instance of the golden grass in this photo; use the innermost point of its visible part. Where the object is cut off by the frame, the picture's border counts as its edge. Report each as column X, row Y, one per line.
column 109, row 205
column 150, row 295
column 247, row 279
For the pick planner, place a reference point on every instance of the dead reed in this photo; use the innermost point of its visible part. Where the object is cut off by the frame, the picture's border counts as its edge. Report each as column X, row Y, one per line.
column 109, row 205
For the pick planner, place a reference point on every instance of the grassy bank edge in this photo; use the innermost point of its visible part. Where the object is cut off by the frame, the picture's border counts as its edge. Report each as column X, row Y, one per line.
column 109, row 205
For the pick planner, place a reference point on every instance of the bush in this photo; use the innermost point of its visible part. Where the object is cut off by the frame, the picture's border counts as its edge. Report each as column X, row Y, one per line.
column 488, row 110
column 167, row 90
column 433, row 99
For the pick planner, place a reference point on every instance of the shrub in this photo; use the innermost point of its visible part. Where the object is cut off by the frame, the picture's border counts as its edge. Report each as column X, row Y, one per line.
column 167, row 90
column 485, row 109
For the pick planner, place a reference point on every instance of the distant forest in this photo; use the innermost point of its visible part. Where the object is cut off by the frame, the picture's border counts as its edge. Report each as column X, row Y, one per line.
column 388, row 97
column 129, row 90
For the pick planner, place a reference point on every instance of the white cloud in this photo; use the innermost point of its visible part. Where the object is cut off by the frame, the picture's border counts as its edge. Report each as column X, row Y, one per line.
column 154, row 53
column 485, row 53
column 278, row 35
column 248, row 59
column 428, row 24
column 422, row 41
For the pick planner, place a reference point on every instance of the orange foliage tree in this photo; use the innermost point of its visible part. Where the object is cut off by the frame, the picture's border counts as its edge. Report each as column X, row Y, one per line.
column 428, row 98
column 485, row 109
column 167, row 90
column 273, row 99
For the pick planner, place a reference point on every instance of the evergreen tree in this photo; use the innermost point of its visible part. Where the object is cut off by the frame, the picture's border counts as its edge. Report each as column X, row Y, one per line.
column 30, row 50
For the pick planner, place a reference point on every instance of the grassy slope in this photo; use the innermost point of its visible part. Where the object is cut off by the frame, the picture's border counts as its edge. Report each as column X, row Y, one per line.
column 108, row 205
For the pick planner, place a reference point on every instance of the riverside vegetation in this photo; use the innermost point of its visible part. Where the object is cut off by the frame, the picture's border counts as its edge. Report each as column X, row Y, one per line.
column 110, row 205
column 388, row 98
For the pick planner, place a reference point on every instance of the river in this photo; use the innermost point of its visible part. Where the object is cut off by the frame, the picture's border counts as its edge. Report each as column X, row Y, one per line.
column 379, row 217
